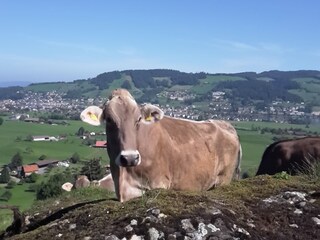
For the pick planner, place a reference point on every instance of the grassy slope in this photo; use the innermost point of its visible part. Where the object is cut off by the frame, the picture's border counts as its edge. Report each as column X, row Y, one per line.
column 207, row 84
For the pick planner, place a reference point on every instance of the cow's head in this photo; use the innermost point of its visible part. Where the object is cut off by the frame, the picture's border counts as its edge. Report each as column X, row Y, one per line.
column 123, row 118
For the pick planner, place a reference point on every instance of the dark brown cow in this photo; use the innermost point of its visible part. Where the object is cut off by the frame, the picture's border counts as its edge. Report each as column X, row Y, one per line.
column 292, row 156
column 148, row 150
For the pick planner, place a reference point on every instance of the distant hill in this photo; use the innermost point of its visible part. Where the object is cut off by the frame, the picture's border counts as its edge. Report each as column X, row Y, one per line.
column 14, row 83
column 294, row 86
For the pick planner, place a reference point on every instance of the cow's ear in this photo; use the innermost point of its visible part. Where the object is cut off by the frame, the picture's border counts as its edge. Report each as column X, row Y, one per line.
column 92, row 115
column 151, row 113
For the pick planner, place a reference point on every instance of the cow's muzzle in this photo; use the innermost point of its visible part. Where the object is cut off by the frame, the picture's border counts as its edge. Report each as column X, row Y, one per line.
column 129, row 158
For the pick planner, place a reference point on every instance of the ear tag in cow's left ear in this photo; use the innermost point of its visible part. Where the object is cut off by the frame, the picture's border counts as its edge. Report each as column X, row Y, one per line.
column 93, row 116
column 149, row 118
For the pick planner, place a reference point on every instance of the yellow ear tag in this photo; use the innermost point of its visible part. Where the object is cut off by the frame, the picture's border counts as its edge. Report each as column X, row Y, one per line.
column 92, row 116
column 149, row 118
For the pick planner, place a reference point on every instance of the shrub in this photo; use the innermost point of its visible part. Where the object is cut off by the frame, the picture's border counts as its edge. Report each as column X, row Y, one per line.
column 11, row 184
column 282, row 175
column 75, row 158
column 52, row 187
column 42, row 157
column 6, row 196
column 32, row 178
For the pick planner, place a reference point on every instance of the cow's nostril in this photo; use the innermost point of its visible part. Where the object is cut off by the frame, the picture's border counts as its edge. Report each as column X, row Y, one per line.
column 123, row 160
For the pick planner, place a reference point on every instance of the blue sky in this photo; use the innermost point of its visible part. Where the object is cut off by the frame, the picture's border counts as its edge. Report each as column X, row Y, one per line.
column 62, row 40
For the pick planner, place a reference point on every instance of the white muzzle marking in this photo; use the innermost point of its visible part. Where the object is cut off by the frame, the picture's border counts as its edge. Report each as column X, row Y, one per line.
column 128, row 158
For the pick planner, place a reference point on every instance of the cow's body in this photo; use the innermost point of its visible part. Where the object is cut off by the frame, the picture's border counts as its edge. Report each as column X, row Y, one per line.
column 82, row 182
column 292, row 156
column 148, row 150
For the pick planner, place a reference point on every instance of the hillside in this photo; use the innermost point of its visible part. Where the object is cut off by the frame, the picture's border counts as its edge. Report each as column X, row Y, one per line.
column 295, row 86
column 264, row 207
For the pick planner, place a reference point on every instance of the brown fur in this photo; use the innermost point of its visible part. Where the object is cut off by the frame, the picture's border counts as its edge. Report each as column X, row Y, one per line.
column 82, row 181
column 292, row 156
column 175, row 153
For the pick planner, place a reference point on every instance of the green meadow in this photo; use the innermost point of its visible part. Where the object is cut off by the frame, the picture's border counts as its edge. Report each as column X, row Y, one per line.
column 14, row 133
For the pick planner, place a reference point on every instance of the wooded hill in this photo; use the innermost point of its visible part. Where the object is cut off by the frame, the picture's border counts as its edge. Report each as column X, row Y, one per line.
column 293, row 86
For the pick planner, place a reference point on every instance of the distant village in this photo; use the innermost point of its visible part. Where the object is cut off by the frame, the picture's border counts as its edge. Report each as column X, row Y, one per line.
column 220, row 107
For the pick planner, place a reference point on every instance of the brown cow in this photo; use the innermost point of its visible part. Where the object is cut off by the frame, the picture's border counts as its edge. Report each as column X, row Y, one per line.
column 82, row 182
column 292, row 156
column 148, row 150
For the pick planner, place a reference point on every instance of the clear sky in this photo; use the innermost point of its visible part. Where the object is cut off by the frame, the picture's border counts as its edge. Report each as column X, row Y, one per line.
column 64, row 40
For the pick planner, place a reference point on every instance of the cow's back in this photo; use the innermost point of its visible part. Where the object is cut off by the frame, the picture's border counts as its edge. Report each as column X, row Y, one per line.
column 188, row 155
column 293, row 156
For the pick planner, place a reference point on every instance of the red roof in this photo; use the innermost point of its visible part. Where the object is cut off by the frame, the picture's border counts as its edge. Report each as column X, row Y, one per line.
column 30, row 168
column 101, row 144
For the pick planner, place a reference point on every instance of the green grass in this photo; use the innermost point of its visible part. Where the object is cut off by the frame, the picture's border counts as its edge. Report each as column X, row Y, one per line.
column 21, row 197
column 61, row 150
column 59, row 86
column 309, row 91
column 207, row 84
column 253, row 145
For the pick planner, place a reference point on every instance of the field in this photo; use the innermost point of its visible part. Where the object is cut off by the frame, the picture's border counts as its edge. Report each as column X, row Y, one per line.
column 13, row 133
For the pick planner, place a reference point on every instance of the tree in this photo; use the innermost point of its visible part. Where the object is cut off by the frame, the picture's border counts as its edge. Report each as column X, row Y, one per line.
column 16, row 161
column 5, row 175
column 80, row 131
column 75, row 158
column 32, row 178
column 52, row 187
column 6, row 196
column 1, row 121
column 92, row 169
column 42, row 157
column 29, row 138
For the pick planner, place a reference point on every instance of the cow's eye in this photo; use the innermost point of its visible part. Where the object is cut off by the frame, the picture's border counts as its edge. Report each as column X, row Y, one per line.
column 137, row 122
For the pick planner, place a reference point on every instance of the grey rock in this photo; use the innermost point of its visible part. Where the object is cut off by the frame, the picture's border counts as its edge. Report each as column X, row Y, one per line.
column 294, row 225
column 128, row 228
column 187, row 225
column 72, row 226
column 154, row 234
column 316, row 220
column 134, row 222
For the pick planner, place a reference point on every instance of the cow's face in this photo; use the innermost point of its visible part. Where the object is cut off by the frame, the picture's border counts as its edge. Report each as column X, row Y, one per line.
column 123, row 118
